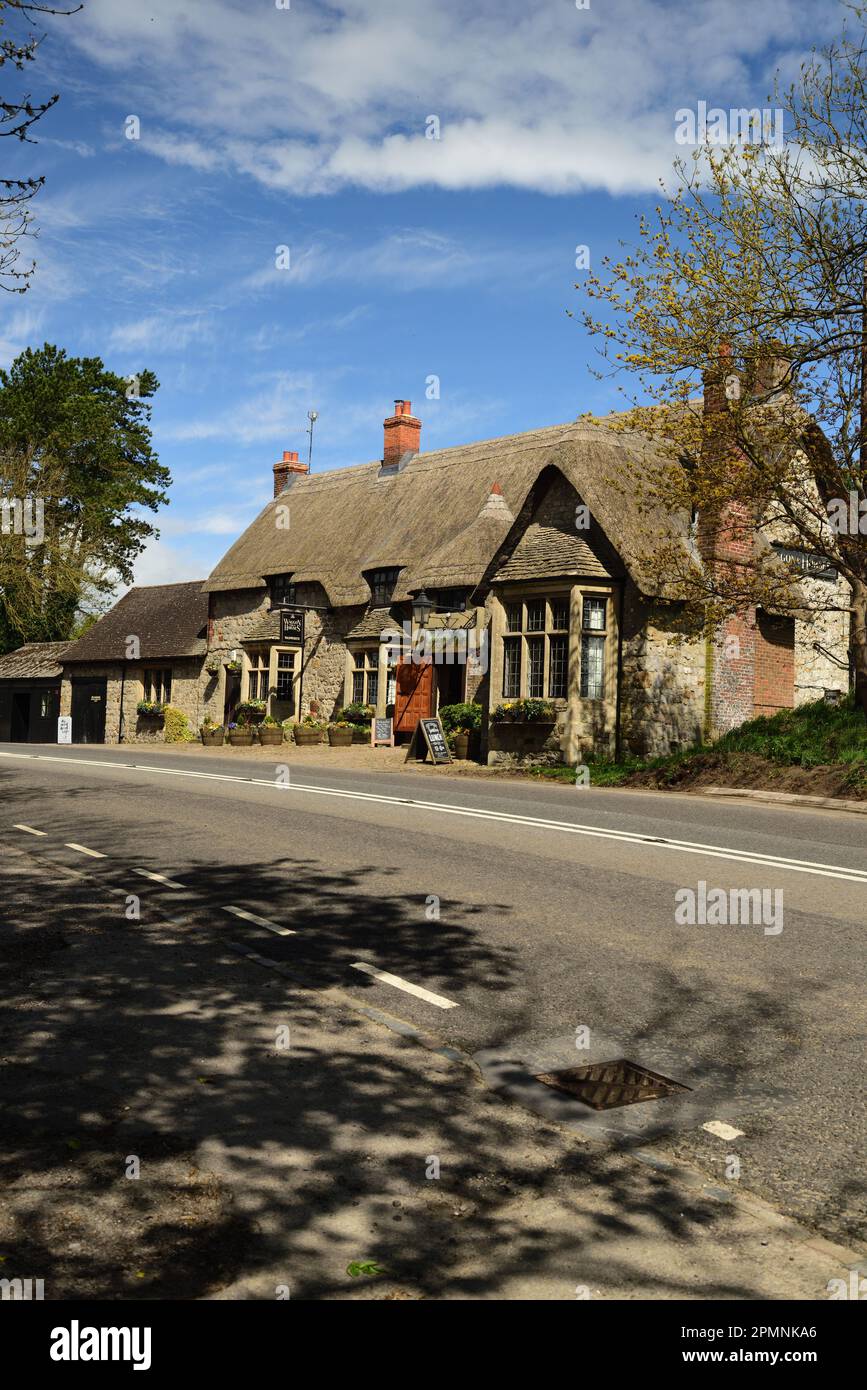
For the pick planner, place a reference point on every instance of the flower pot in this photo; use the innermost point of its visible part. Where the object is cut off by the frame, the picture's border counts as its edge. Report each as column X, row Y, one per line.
column 358, row 737
column 241, row 738
column 306, row 737
column 268, row 735
column 340, row 738
column 461, row 747
column 213, row 738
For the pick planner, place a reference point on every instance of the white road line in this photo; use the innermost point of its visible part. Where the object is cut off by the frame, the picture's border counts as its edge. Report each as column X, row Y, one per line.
column 30, row 830
column 158, row 878
column 767, row 861
column 259, row 921
column 82, row 849
column 722, row 1130
column 408, row 988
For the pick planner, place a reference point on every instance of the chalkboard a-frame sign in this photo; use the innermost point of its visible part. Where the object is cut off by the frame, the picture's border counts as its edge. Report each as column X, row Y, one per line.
column 292, row 626
column 428, row 737
column 381, row 731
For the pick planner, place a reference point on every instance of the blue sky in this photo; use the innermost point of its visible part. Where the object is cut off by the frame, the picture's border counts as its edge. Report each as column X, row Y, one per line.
column 263, row 126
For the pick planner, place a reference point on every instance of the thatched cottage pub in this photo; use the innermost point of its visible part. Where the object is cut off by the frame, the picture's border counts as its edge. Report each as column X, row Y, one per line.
column 503, row 570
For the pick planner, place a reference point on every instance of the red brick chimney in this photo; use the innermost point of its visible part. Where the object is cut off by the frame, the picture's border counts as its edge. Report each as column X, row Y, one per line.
column 402, row 433
column 285, row 469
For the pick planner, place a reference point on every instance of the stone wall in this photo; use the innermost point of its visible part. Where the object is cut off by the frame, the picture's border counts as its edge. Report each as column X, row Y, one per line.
column 128, row 684
column 814, row 671
column 236, row 617
column 663, row 676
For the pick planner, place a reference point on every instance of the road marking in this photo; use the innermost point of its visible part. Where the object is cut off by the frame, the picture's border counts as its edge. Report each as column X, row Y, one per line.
column 723, row 1131
column 158, row 878
column 30, row 830
column 259, row 921
column 766, row 861
column 406, row 985
column 82, row 849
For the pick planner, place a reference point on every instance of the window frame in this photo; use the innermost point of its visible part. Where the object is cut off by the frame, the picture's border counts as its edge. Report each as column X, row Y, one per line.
column 382, row 590
column 598, row 635
column 283, row 591
column 529, row 627
column 257, row 666
column 157, row 684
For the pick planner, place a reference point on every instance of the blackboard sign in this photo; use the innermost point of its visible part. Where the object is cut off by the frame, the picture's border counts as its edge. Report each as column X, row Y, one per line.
column 292, row 626
column 381, row 731
column 435, row 739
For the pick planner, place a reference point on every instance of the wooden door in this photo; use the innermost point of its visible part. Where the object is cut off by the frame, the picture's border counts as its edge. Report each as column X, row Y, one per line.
column 413, row 695
column 88, row 711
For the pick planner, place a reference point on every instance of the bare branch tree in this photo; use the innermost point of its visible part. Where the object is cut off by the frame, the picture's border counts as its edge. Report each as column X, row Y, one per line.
column 17, row 117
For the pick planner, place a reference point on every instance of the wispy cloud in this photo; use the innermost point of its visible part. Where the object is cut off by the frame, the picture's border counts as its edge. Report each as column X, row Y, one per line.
column 312, row 99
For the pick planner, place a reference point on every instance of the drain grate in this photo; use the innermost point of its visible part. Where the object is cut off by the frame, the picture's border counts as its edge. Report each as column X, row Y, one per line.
column 606, row 1085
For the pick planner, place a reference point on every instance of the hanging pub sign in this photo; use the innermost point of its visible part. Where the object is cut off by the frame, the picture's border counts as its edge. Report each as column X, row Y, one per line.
column 292, row 626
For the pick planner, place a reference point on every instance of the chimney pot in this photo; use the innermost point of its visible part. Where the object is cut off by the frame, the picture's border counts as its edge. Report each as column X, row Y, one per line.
column 402, row 433
column 286, row 469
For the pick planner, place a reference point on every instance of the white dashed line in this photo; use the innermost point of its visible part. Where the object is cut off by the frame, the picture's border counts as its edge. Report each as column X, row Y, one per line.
column 723, row 1131
column 408, row 988
column 259, row 921
column 82, row 849
column 30, row 830
column 158, row 878
column 657, row 842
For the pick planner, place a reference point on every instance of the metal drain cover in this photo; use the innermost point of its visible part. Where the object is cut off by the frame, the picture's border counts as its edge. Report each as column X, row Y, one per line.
column 606, row 1085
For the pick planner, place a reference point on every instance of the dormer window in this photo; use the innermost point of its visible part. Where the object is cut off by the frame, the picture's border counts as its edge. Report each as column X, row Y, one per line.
column 382, row 584
column 282, row 591
column 451, row 600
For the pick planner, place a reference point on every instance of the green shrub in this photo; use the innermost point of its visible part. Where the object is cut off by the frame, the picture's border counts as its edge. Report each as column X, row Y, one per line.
column 176, row 726
column 356, row 713
column 466, row 716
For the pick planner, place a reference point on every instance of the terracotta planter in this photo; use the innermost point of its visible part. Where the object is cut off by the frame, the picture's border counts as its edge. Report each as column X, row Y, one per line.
column 213, row 738
column 268, row 735
column 340, row 738
column 306, row 737
column 241, row 738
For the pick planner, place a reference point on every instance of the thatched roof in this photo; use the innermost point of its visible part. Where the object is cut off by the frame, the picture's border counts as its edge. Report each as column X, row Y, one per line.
column 168, row 620
column 33, row 661
column 430, row 520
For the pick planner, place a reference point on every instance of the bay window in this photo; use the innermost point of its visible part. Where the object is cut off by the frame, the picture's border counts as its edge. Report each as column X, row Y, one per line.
column 536, row 648
column 365, row 676
column 593, row 636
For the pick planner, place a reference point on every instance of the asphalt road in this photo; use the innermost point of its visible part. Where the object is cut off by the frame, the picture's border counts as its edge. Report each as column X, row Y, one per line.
column 523, row 913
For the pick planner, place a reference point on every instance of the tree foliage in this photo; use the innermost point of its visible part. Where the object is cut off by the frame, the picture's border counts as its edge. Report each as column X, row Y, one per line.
column 749, row 280
column 75, row 449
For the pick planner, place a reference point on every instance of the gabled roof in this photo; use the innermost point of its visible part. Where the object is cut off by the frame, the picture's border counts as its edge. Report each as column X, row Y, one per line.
column 550, row 542
column 33, row 661
column 429, row 520
column 168, row 620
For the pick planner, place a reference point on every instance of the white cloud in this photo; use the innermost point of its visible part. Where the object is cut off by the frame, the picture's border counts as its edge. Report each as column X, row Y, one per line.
column 277, row 410
column 22, row 330
column 311, row 99
column 160, row 563
column 172, row 330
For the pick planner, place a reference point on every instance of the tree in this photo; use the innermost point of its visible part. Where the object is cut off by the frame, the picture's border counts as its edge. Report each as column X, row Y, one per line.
column 17, row 117
column 76, row 472
column 751, row 279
